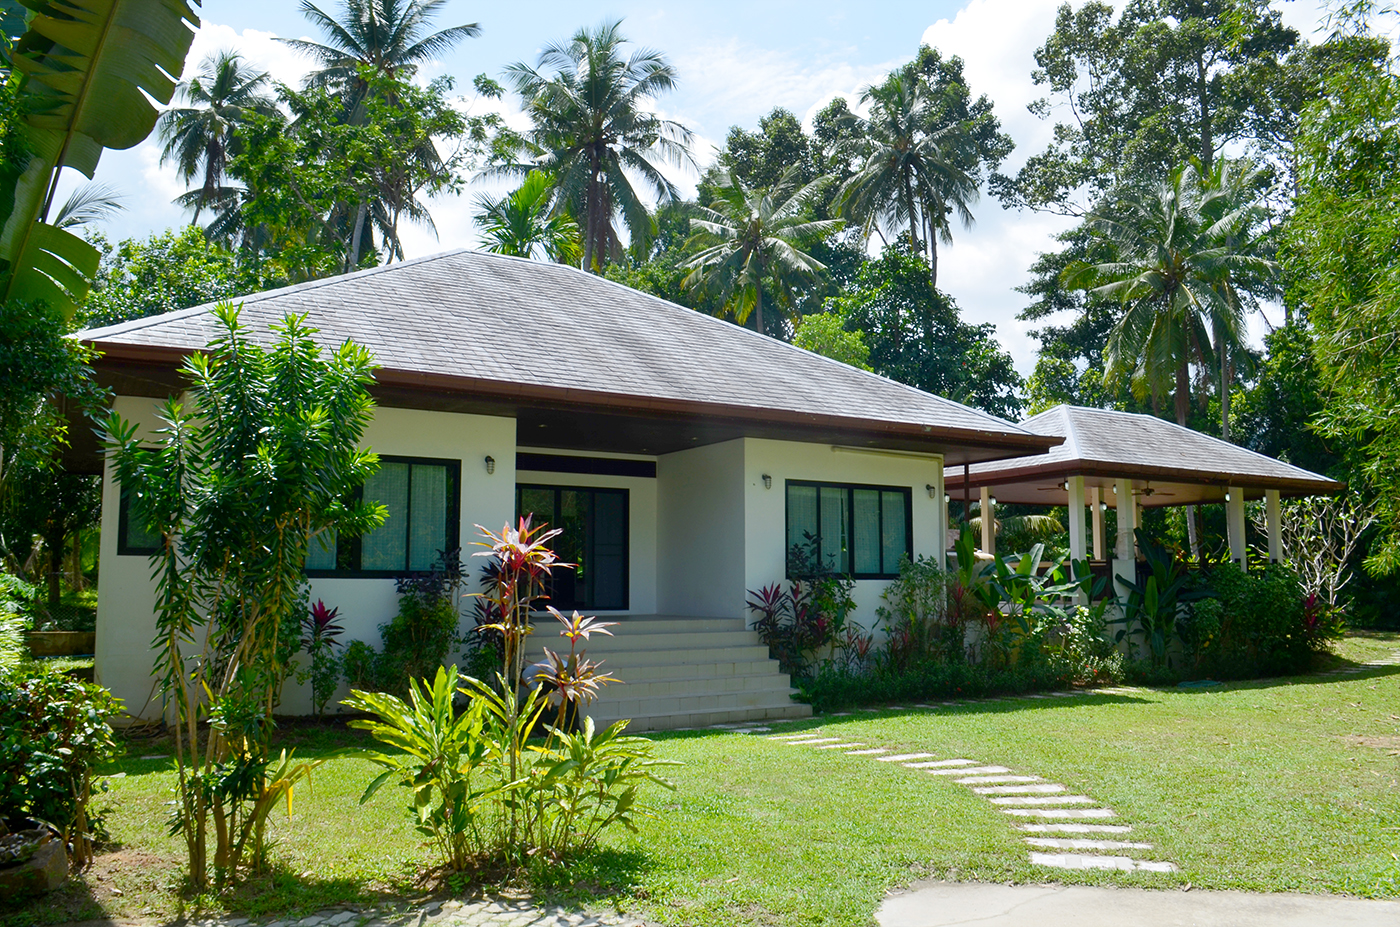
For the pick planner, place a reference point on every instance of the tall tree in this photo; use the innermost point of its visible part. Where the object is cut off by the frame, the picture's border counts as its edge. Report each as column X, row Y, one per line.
column 755, row 246
column 1340, row 248
column 592, row 132
column 199, row 134
column 923, row 152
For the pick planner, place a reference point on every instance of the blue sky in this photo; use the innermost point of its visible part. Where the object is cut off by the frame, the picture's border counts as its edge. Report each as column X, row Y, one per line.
column 736, row 61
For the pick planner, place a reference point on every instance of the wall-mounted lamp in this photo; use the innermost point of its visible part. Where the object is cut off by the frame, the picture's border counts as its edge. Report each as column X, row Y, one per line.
column 928, row 487
column 1066, row 486
column 1227, row 497
column 490, row 465
column 1103, row 506
column 993, row 500
column 1115, row 489
column 767, row 481
column 947, row 498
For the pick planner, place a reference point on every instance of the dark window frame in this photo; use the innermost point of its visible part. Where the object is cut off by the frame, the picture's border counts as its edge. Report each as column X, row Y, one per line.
column 124, row 526
column 349, row 547
column 626, row 494
column 849, row 503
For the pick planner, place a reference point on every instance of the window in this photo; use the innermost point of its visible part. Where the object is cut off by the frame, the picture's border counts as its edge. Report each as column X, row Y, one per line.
column 595, row 526
column 132, row 538
column 424, row 501
column 858, row 531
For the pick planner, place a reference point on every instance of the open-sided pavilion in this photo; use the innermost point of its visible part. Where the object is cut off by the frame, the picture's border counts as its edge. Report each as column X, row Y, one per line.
column 1132, row 462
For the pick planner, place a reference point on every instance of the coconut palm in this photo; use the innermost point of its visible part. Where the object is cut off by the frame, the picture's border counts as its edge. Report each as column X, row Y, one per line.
column 199, row 135
column 755, row 240
column 1188, row 264
column 386, row 36
column 522, row 224
column 592, row 133
column 910, row 177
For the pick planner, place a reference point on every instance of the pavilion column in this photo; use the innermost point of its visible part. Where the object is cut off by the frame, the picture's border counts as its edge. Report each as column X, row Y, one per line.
column 939, row 494
column 1124, row 556
column 989, row 522
column 1234, row 523
column 1076, row 518
column 1096, row 517
column 1274, row 512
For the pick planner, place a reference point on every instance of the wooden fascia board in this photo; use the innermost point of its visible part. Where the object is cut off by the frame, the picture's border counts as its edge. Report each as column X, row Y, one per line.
column 1137, row 471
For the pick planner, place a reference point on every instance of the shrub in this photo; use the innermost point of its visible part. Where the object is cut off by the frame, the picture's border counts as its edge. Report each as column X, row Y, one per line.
column 318, row 639
column 834, row 687
column 917, row 617
column 797, row 622
column 1257, row 623
column 53, row 730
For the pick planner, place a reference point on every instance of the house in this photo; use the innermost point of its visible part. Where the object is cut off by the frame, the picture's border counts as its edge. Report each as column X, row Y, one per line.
column 682, row 454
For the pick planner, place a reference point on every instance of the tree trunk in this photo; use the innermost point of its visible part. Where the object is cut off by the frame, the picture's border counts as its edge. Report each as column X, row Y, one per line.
column 1183, row 407
column 912, row 216
column 55, row 571
column 758, row 310
column 353, row 258
column 1224, row 390
column 1207, row 136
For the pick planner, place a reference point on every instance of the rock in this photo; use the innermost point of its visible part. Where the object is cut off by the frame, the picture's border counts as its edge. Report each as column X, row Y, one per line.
column 43, row 872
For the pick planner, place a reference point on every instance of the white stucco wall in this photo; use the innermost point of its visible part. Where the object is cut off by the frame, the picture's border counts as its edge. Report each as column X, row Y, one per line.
column 765, row 522
column 125, row 594
column 700, row 531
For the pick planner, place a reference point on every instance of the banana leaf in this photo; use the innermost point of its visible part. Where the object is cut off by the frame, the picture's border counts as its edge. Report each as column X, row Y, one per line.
column 91, row 69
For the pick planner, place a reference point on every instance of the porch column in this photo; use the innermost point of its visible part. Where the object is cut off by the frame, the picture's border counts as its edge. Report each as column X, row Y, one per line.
column 1076, row 517
column 1124, row 558
column 989, row 522
column 1273, row 511
column 1126, row 505
column 1096, row 518
column 1234, row 523
column 940, row 506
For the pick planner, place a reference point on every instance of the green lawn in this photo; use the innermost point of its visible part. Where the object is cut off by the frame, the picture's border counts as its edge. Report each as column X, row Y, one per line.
column 1271, row 786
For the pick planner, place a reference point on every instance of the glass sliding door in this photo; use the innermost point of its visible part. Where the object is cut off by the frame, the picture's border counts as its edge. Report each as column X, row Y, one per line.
column 595, row 535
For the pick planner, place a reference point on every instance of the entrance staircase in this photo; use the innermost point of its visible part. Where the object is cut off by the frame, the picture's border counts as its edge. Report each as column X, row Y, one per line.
column 682, row 672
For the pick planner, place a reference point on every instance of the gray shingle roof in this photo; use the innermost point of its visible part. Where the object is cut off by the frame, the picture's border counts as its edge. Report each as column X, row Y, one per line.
column 465, row 314
column 1103, row 442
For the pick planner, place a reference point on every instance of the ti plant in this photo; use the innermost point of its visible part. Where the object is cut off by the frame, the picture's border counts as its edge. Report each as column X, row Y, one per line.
column 319, row 639
column 575, row 679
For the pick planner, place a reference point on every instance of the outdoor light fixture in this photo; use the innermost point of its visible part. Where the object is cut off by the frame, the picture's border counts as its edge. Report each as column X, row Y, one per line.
column 993, row 500
column 1066, row 485
column 947, row 498
column 490, row 465
column 767, row 481
column 929, row 488
column 1227, row 497
column 1103, row 506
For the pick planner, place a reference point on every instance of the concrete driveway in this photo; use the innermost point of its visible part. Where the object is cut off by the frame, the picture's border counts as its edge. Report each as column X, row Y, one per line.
column 955, row 904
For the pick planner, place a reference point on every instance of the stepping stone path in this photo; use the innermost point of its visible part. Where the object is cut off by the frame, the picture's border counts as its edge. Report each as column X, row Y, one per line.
column 1046, row 812
column 496, row 912
column 1392, row 660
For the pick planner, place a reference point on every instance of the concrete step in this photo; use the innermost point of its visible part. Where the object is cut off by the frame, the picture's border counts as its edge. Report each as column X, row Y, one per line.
column 705, row 717
column 658, row 671
column 628, row 625
column 671, row 686
column 693, row 656
column 622, row 707
column 661, row 640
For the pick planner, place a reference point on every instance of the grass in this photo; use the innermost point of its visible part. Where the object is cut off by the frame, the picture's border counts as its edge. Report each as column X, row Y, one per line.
column 1277, row 785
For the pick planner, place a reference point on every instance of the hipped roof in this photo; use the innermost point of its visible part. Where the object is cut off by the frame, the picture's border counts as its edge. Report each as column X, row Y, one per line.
column 466, row 331
column 1168, row 464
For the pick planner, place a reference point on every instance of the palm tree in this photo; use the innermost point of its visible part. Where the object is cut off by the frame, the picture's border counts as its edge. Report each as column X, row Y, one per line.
column 911, row 178
column 755, row 243
column 385, row 36
column 1187, row 265
column 199, row 136
column 591, row 132
column 521, row 223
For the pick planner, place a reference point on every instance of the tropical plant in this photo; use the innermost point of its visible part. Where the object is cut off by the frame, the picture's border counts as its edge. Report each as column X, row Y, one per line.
column 591, row 134
column 573, row 679
column 1154, row 605
column 92, row 202
column 1318, row 537
column 525, row 224
column 78, row 93
column 319, row 638
column 236, row 484
column 913, row 176
column 200, row 134
column 754, row 245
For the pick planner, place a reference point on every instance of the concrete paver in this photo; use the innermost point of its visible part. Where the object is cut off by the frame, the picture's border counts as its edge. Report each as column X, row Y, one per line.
column 952, row 904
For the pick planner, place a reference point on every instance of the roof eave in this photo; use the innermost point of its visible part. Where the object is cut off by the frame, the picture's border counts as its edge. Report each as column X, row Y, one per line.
column 1001, row 476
